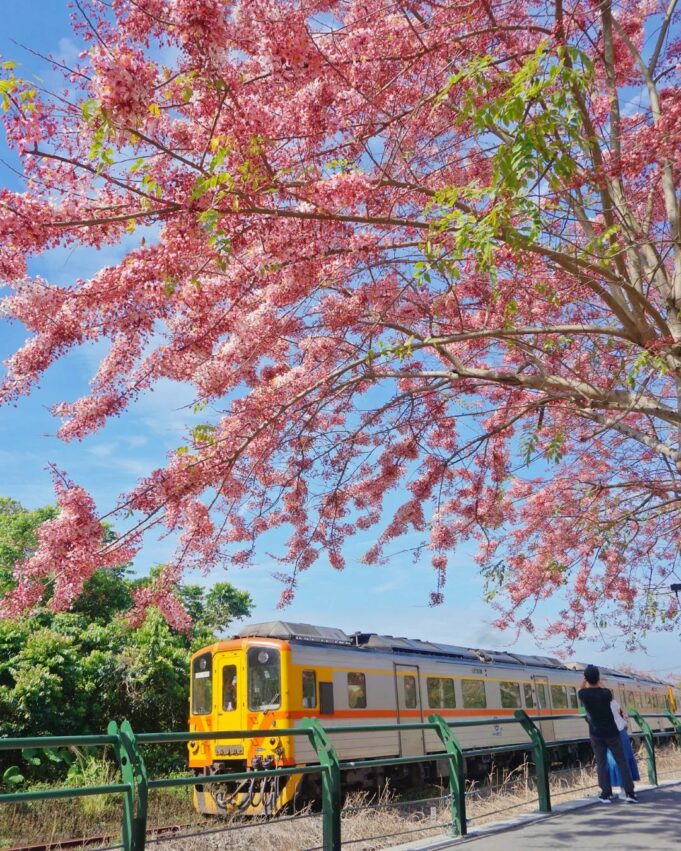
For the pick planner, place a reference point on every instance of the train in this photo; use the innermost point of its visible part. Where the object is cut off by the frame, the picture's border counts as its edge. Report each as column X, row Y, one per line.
column 272, row 675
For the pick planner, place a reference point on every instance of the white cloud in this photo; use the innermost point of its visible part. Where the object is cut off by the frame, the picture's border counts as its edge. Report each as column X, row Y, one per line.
column 67, row 52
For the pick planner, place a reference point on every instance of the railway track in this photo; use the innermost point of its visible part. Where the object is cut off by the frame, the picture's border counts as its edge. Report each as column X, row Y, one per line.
column 99, row 841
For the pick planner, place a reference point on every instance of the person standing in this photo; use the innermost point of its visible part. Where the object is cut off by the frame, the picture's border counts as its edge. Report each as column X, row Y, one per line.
column 622, row 726
column 604, row 735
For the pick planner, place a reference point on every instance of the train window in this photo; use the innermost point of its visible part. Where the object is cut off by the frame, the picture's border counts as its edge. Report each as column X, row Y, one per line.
column 473, row 692
column 264, row 679
column 559, row 697
column 309, row 689
column 510, row 695
column 202, row 684
column 631, row 700
column 357, row 691
column 572, row 697
column 326, row 699
column 410, row 695
column 529, row 696
column 441, row 693
column 542, row 696
column 229, row 688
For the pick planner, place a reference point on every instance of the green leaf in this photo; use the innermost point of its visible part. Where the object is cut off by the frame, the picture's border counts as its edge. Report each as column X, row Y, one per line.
column 53, row 754
column 31, row 756
column 89, row 108
column 12, row 776
column 204, row 433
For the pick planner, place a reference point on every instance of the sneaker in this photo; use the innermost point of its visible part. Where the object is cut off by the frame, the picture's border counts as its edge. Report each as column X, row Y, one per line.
column 605, row 799
column 631, row 799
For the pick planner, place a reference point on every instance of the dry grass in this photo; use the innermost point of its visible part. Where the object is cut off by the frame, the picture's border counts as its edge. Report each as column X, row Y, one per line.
column 98, row 815
column 367, row 824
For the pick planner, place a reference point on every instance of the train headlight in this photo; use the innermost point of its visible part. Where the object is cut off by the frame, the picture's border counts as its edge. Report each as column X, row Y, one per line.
column 263, row 657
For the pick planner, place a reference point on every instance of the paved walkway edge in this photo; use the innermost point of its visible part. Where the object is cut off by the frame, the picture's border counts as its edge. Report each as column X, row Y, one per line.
column 445, row 842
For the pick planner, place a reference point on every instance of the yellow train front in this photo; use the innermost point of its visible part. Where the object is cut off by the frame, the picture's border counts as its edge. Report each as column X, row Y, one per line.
column 242, row 684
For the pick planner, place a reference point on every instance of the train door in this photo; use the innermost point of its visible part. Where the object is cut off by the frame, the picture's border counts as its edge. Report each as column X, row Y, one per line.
column 231, row 698
column 542, row 686
column 409, row 709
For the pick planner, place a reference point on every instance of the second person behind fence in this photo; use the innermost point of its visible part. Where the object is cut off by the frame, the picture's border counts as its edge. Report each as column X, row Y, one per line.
column 623, row 727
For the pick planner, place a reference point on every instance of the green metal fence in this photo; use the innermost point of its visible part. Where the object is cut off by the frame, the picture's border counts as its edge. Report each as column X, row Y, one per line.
column 136, row 784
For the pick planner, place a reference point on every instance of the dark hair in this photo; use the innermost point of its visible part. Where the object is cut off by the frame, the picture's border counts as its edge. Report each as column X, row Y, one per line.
column 591, row 674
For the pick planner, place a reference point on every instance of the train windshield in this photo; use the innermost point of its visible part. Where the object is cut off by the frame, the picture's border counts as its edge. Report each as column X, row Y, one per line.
column 202, row 684
column 264, row 679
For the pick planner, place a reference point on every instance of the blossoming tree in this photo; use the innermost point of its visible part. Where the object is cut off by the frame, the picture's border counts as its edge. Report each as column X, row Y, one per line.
column 411, row 250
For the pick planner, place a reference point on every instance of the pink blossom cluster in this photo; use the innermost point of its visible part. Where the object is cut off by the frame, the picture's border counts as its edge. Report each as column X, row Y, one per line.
column 124, row 85
column 70, row 548
column 201, row 25
column 160, row 594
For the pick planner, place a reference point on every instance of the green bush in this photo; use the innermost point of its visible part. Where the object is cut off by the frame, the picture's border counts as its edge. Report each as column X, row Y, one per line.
column 73, row 672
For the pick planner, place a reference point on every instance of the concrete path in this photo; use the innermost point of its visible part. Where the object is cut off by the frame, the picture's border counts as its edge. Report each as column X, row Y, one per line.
column 655, row 823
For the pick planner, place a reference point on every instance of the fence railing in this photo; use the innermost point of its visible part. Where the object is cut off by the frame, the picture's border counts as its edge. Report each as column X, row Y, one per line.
column 136, row 784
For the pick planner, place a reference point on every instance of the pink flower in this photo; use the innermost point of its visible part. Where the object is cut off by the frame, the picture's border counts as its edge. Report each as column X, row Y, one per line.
column 124, row 84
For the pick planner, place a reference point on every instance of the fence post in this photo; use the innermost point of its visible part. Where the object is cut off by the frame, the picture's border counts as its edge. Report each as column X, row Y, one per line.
column 134, row 772
column 457, row 784
column 676, row 724
column 127, row 776
column 331, row 783
column 139, row 835
column 541, row 759
column 649, row 742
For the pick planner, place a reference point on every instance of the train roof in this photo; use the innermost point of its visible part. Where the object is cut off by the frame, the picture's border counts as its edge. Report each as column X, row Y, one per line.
column 326, row 635
column 612, row 672
column 288, row 631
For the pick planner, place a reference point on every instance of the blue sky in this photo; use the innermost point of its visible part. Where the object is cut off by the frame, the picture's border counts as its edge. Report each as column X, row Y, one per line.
column 391, row 599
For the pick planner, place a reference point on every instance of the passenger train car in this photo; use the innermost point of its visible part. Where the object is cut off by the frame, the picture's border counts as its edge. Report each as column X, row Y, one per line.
column 272, row 675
